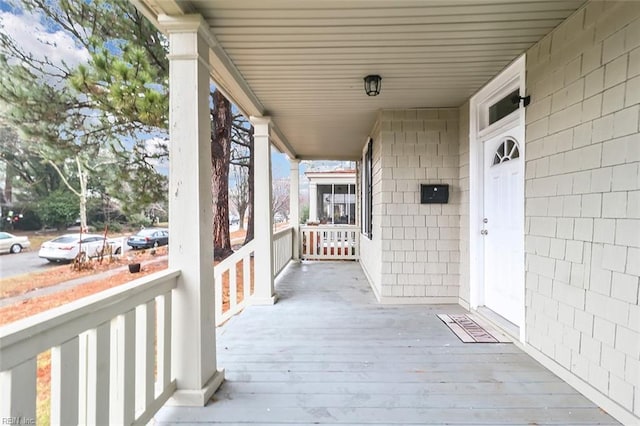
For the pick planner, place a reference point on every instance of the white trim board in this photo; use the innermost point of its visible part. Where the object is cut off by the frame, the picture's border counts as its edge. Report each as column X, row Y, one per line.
column 418, row 300
column 479, row 130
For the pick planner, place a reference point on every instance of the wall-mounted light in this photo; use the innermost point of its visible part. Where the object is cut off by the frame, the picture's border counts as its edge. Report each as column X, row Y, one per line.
column 372, row 85
column 526, row 100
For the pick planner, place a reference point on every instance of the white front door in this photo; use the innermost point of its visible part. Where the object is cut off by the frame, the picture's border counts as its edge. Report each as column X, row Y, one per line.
column 503, row 224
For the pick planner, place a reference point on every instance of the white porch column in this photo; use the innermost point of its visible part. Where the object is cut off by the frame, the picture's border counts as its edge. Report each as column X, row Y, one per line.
column 313, row 202
column 264, row 292
column 190, row 212
column 294, row 205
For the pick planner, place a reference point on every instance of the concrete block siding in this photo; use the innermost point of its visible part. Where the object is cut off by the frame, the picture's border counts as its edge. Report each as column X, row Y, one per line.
column 419, row 243
column 582, row 195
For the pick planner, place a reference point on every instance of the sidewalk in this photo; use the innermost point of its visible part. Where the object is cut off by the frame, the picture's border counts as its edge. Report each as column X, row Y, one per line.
column 70, row 284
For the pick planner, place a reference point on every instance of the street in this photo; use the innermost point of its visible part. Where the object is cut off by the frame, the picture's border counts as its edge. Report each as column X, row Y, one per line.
column 22, row 263
column 26, row 262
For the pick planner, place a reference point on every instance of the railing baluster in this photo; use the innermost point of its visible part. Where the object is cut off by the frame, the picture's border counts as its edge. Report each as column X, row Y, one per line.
column 283, row 249
column 122, row 392
column 94, row 352
column 246, row 277
column 18, row 390
column 145, row 356
column 329, row 242
column 64, row 383
column 233, row 287
column 163, row 306
column 94, row 375
column 344, row 243
column 230, row 266
column 218, row 294
column 311, row 244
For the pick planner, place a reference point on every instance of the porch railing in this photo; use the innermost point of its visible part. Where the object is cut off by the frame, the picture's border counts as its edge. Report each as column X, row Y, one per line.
column 111, row 351
column 330, row 242
column 110, row 356
column 282, row 249
column 234, row 282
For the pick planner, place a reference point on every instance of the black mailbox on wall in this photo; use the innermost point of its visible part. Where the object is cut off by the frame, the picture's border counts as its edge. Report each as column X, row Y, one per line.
column 434, row 194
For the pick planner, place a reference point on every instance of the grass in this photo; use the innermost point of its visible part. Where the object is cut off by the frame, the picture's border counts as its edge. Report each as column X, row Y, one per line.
column 37, row 238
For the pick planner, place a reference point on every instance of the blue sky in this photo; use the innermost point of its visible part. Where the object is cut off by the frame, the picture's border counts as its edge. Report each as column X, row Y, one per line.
column 4, row 6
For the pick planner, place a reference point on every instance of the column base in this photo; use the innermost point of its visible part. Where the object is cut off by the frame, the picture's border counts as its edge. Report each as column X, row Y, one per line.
column 197, row 398
column 264, row 300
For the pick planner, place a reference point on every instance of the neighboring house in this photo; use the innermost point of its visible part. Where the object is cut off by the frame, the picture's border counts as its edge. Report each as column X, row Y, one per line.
column 332, row 197
column 528, row 111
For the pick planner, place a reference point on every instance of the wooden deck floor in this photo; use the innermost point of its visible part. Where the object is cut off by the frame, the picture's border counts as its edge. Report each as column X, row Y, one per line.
column 327, row 353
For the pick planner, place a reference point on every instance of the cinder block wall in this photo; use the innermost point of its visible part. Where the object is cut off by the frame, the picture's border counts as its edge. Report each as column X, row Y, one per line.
column 419, row 243
column 583, row 199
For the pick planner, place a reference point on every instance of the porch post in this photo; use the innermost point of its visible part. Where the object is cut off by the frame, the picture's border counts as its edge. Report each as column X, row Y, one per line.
column 193, row 328
column 313, row 202
column 294, row 205
column 264, row 291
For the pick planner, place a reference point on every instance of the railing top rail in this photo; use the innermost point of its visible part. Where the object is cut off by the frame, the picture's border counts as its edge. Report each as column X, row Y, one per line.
column 328, row 226
column 30, row 336
column 236, row 257
column 282, row 232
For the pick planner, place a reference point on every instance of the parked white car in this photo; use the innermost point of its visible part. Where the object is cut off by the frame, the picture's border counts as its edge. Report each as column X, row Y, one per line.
column 10, row 243
column 66, row 247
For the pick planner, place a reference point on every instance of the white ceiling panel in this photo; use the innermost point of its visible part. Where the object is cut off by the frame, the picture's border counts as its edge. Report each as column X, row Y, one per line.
column 304, row 60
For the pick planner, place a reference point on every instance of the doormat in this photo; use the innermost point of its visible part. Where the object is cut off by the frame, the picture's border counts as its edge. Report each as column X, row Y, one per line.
column 469, row 331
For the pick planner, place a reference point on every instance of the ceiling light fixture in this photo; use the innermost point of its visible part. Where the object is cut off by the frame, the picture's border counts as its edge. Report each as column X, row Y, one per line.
column 372, row 85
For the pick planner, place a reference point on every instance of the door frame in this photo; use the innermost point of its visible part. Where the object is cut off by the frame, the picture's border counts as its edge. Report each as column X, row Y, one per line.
column 512, row 78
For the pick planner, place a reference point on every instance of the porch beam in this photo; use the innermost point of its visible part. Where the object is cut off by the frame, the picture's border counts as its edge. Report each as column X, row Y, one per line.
column 264, row 293
column 190, row 212
column 294, row 205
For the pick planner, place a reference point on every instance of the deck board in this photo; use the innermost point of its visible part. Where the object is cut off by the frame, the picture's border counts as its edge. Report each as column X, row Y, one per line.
column 328, row 353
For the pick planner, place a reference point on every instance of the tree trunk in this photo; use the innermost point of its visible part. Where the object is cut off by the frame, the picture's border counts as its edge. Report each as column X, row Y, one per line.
column 241, row 215
column 220, row 157
column 249, row 235
column 8, row 183
column 82, row 176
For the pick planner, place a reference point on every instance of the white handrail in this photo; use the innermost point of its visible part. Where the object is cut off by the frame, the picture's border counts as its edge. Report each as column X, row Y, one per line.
column 282, row 249
column 330, row 242
column 229, row 267
column 123, row 327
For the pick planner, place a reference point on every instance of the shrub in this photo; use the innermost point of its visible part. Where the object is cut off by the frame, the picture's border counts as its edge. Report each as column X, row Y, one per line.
column 19, row 217
column 113, row 227
column 304, row 214
column 59, row 209
column 139, row 220
column 30, row 221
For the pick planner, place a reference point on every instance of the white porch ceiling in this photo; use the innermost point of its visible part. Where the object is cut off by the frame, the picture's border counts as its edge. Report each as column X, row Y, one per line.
column 302, row 62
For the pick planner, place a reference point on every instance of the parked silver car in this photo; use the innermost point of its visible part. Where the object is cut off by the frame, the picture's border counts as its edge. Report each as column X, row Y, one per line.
column 10, row 243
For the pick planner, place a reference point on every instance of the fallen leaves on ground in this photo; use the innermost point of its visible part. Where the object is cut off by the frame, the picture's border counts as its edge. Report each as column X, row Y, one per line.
column 22, row 284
